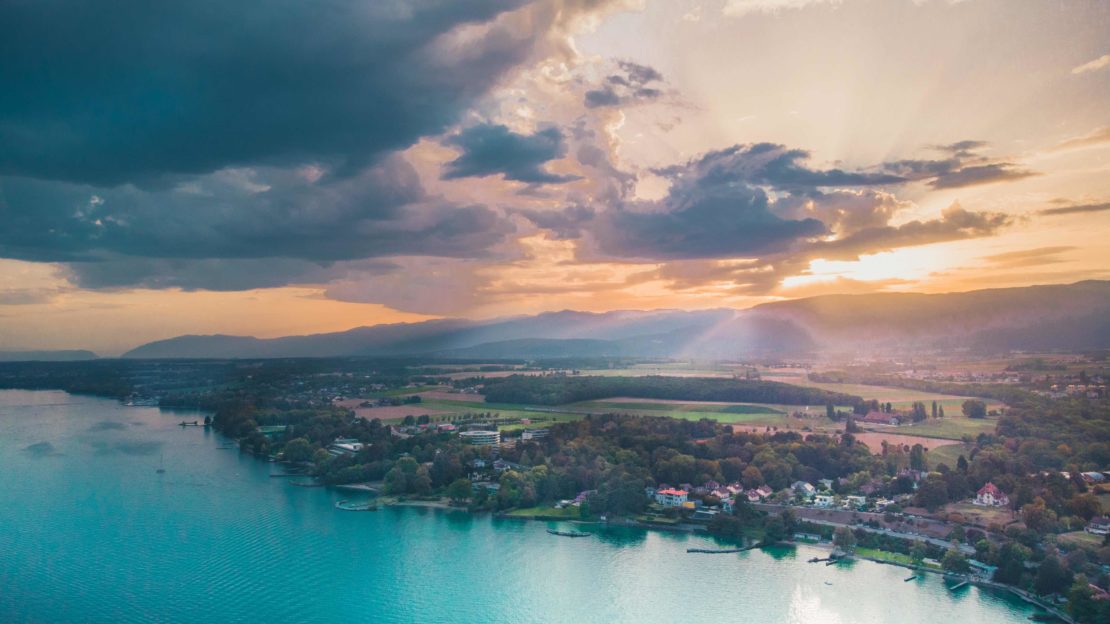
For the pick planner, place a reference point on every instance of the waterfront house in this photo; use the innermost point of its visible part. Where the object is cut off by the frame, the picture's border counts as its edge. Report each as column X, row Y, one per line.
column 345, row 446
column 823, row 500
column 670, row 497
column 1099, row 526
column 990, row 496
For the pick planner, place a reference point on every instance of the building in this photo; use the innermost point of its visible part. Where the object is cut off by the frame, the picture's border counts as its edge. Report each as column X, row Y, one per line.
column 533, row 434
column 345, row 446
column 670, row 497
column 801, row 488
column 759, row 493
column 989, row 495
column 1099, row 526
column 481, row 438
column 879, row 418
column 823, row 500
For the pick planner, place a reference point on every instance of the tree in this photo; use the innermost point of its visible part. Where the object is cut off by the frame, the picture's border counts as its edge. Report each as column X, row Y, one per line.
column 974, row 408
column 961, row 464
column 774, row 530
column 917, row 457
column 918, row 552
column 934, row 409
column 830, row 411
column 1052, row 576
column 1038, row 517
column 933, row 493
column 844, row 539
column 954, row 561
column 297, row 450
column 1011, row 563
column 459, row 490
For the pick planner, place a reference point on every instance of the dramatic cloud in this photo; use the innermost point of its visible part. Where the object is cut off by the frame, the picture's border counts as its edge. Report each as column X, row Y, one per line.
column 631, row 84
column 1101, row 62
column 223, row 145
column 963, row 167
column 1077, row 209
column 132, row 91
column 713, row 222
column 495, row 150
column 237, row 214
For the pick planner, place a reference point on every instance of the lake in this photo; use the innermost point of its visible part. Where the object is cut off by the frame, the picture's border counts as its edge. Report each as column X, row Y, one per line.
column 90, row 532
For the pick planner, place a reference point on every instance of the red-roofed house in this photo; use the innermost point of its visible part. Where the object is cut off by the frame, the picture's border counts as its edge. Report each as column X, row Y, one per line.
column 670, row 497
column 989, row 495
column 879, row 418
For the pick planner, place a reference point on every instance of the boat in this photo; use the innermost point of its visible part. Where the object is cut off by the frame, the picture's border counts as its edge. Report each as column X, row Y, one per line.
column 189, row 424
column 569, row 533
column 909, row 578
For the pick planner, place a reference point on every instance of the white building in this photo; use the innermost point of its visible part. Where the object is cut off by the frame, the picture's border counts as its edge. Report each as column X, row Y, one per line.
column 990, row 496
column 481, row 438
column 670, row 497
column 533, row 434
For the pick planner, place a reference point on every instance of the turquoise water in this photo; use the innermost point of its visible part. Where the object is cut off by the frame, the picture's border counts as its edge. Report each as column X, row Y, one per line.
column 89, row 532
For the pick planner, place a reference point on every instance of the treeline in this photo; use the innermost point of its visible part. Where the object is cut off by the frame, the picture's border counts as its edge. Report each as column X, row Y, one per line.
column 559, row 390
column 999, row 392
column 105, row 379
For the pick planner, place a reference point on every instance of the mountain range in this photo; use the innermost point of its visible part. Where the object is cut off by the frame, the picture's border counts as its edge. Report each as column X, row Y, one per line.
column 1072, row 316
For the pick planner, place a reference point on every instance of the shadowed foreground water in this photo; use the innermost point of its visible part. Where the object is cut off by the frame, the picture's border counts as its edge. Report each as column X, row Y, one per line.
column 89, row 532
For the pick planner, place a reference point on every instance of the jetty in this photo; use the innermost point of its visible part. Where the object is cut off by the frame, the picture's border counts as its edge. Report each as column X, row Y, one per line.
column 909, row 578
column 346, row 505
column 569, row 533
column 195, row 423
column 718, row 551
column 959, row 585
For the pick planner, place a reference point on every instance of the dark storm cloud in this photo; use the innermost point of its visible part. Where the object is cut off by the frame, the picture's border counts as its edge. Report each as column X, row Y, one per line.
column 980, row 174
column 131, row 91
column 495, row 150
column 264, row 213
column 631, row 84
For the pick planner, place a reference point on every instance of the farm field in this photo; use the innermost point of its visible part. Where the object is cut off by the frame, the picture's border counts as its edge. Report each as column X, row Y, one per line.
column 874, row 441
column 899, row 397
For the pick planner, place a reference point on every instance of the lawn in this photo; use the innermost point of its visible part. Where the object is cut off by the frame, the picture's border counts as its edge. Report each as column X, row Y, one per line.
column 948, row 454
column 547, row 511
column 883, row 555
column 950, row 427
column 1081, row 538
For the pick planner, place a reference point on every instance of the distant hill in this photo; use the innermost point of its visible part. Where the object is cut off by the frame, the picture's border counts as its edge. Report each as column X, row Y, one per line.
column 1037, row 317
column 46, row 356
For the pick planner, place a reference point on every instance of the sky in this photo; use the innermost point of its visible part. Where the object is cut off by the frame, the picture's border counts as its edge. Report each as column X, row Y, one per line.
column 286, row 167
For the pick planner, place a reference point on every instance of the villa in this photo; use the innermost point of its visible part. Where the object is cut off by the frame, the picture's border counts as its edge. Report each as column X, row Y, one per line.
column 990, row 496
column 1099, row 526
column 670, row 497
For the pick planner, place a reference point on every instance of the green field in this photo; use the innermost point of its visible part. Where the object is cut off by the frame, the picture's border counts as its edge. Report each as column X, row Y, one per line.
column 948, row 455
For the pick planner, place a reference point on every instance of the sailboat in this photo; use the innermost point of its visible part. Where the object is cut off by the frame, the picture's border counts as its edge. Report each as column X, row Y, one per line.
column 161, row 463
